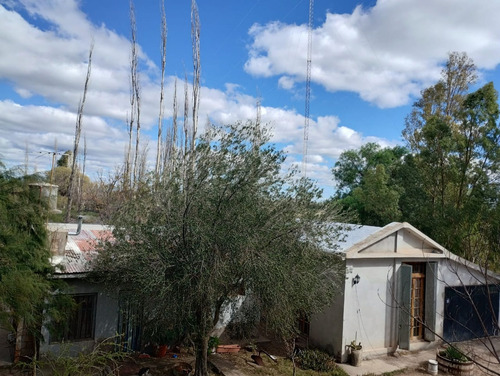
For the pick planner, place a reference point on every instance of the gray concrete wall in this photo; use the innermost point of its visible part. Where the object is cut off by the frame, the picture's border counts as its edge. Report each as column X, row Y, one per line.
column 106, row 321
column 325, row 330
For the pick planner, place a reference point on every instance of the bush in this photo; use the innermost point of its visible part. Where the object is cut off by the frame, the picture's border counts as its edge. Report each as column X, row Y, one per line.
column 315, row 360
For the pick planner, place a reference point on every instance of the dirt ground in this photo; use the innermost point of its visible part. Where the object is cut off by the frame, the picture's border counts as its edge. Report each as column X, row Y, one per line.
column 242, row 364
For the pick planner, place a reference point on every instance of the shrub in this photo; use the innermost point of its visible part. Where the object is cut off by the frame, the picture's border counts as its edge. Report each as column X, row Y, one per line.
column 315, row 360
column 103, row 359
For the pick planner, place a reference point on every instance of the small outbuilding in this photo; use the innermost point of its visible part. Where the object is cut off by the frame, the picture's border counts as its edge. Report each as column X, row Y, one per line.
column 402, row 290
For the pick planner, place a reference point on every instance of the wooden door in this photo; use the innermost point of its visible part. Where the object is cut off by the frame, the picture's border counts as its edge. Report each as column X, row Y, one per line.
column 417, row 301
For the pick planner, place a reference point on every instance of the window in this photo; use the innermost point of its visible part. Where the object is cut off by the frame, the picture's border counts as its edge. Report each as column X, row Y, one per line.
column 303, row 323
column 81, row 323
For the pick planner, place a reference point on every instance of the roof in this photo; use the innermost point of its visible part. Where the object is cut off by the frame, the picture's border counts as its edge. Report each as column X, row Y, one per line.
column 357, row 241
column 352, row 234
column 79, row 249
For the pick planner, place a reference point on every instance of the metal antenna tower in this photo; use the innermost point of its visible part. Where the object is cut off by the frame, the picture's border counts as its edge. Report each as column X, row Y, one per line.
column 308, row 87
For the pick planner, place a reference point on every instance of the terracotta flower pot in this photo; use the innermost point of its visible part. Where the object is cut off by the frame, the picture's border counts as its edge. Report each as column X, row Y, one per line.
column 161, row 351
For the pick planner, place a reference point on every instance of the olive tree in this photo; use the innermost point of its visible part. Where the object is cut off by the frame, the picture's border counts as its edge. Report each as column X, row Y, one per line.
column 227, row 222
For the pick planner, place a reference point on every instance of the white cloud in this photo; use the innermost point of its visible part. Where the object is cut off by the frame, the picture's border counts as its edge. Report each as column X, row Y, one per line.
column 286, row 82
column 387, row 53
column 51, row 64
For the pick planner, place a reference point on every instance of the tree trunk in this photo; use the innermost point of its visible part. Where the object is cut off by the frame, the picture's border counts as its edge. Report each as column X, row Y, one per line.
column 201, row 365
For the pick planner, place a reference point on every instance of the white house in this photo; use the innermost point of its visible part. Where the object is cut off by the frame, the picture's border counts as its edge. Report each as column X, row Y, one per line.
column 403, row 290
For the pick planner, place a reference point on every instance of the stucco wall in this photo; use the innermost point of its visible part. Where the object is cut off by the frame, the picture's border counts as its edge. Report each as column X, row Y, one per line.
column 106, row 320
column 326, row 327
column 369, row 313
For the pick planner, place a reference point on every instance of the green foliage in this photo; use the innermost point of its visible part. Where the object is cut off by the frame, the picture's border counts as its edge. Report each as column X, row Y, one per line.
column 60, row 177
column 25, row 284
column 447, row 187
column 354, row 346
column 366, row 179
column 454, row 354
column 103, row 359
column 222, row 223
column 454, row 137
column 315, row 360
column 65, row 160
column 379, row 200
column 213, row 342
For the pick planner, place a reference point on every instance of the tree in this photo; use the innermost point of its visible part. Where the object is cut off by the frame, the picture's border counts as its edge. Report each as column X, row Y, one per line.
column 66, row 159
column 378, row 201
column 26, row 289
column 367, row 185
column 454, row 137
column 225, row 225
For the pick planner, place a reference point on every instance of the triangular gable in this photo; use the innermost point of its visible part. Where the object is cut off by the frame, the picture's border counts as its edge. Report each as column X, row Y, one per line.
column 396, row 240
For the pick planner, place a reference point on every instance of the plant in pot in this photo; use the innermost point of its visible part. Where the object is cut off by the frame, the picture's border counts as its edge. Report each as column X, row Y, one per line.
column 213, row 342
column 162, row 338
column 454, row 361
column 355, row 352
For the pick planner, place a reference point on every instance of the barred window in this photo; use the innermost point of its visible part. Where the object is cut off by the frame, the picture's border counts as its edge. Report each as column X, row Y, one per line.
column 81, row 323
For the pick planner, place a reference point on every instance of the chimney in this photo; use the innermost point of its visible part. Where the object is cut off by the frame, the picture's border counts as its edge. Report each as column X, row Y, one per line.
column 58, row 240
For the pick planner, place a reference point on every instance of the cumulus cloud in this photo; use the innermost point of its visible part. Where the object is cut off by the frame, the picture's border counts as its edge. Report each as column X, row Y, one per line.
column 386, row 54
column 50, row 64
column 286, row 82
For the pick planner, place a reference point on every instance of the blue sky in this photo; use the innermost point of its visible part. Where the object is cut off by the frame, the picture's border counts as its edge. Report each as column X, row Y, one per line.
column 370, row 60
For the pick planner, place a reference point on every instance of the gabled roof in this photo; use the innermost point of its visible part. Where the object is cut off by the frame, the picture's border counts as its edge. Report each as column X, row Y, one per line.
column 382, row 242
column 79, row 249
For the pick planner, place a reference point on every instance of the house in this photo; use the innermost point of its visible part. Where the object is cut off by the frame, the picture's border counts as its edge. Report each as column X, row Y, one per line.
column 98, row 315
column 402, row 290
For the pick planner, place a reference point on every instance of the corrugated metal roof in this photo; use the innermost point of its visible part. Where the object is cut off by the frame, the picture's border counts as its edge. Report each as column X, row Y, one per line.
column 352, row 234
column 79, row 249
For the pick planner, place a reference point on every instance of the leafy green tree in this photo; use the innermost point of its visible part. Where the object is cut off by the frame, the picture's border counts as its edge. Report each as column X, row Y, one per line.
column 366, row 185
column 379, row 202
column 66, row 159
column 26, row 289
column 223, row 224
column 352, row 165
column 454, row 137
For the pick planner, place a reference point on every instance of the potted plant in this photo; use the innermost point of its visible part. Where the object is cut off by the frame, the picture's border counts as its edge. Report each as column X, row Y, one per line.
column 454, row 361
column 355, row 352
column 161, row 339
column 213, row 342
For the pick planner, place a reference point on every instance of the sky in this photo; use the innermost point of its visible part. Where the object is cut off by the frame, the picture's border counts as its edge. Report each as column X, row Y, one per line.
column 370, row 61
